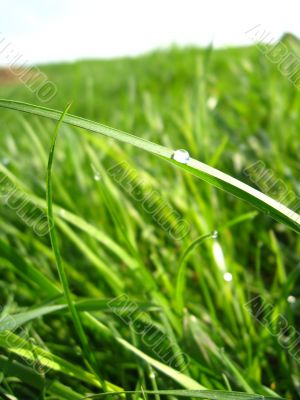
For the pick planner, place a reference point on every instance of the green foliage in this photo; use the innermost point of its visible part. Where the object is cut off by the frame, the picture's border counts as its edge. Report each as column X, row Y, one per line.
column 139, row 292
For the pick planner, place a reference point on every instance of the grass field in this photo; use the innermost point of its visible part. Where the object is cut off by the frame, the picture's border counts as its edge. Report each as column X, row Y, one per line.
column 160, row 266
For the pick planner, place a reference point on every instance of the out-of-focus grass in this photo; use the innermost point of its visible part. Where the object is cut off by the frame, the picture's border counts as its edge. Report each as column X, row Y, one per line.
column 229, row 108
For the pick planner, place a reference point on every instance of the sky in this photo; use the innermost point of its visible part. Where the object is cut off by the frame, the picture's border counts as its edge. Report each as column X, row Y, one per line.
column 67, row 30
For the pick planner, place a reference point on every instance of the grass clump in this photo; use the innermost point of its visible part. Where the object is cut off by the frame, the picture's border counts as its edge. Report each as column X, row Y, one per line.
column 151, row 313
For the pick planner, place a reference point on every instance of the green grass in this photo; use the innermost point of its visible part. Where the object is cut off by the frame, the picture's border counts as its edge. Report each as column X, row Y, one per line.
column 229, row 109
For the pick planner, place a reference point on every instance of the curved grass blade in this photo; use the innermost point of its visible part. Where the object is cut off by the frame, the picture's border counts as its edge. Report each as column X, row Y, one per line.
column 182, row 379
column 59, row 263
column 74, row 220
column 27, row 271
column 14, row 368
column 14, row 321
column 199, row 394
column 211, row 175
column 177, row 376
column 180, row 278
column 44, row 360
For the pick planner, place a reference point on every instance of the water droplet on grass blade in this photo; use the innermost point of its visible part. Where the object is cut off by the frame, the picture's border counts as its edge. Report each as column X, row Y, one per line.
column 152, row 375
column 97, row 176
column 212, row 102
column 291, row 299
column 227, row 277
column 215, row 234
column 182, row 156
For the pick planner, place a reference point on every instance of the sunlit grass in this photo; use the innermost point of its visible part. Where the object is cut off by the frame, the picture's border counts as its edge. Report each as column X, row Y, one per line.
column 228, row 109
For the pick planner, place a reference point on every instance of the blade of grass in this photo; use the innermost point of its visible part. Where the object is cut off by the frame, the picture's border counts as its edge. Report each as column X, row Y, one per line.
column 59, row 263
column 180, row 378
column 74, row 220
column 14, row 321
column 14, row 368
column 112, row 279
column 26, row 349
column 200, row 394
column 27, row 271
column 180, row 278
column 211, row 175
